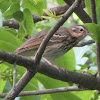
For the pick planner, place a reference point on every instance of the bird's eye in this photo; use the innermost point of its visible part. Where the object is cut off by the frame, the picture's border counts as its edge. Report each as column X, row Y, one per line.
column 81, row 29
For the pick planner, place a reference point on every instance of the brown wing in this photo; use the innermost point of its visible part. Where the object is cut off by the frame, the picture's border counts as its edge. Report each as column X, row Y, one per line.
column 32, row 43
column 35, row 41
column 57, row 39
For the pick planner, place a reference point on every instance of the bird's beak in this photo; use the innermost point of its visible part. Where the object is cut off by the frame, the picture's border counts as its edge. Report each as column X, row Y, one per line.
column 89, row 34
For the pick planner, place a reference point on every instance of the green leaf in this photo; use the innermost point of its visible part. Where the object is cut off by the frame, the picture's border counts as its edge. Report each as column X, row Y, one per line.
column 67, row 61
column 95, row 96
column 49, row 83
column 18, row 15
column 8, row 42
column 50, row 13
column 3, row 67
column 6, row 36
column 2, row 84
column 6, row 46
column 97, row 3
column 68, row 24
column 95, row 30
column 32, row 85
column 28, row 21
column 84, row 95
column 4, row 5
column 88, row 8
column 7, row 87
column 98, row 14
column 18, row 1
column 88, row 54
column 87, row 3
column 63, row 96
column 93, row 48
column 9, row 13
column 21, row 32
column 11, row 30
column 35, row 6
column 46, row 97
column 83, row 66
column 60, row 2
column 94, row 59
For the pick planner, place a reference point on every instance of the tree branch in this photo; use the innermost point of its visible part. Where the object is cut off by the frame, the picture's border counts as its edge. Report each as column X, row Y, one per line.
column 94, row 20
column 58, row 10
column 31, row 70
column 59, row 23
column 46, row 91
column 93, row 11
column 85, row 80
column 12, row 23
column 85, row 43
column 20, row 85
column 80, row 13
column 29, row 74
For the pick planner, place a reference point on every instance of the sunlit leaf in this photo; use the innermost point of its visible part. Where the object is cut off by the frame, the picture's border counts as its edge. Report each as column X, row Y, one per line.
column 84, row 95
column 6, row 36
column 35, row 6
column 94, row 59
column 28, row 21
column 9, row 13
column 67, row 61
column 21, row 32
column 60, row 2
column 18, row 15
column 2, row 84
column 4, row 5
column 6, row 46
column 95, row 30
column 98, row 14
column 50, row 83
column 18, row 1
column 87, row 3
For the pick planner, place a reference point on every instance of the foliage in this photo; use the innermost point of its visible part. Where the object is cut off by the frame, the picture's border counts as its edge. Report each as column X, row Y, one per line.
column 94, row 28
column 74, row 60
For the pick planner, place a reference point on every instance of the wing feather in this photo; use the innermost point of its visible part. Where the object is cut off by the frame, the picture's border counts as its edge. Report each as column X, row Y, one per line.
column 35, row 41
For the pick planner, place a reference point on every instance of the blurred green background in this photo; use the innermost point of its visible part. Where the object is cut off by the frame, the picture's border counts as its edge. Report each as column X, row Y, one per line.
column 78, row 59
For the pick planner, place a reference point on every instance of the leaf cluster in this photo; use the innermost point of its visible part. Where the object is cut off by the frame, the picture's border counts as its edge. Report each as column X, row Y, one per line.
column 74, row 60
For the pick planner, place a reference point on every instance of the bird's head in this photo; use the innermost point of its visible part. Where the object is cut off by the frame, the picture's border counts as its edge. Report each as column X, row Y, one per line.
column 79, row 31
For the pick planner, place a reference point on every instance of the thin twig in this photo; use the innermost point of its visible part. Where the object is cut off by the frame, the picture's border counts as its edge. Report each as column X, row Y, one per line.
column 80, row 13
column 58, row 10
column 60, row 22
column 12, row 23
column 14, row 74
column 85, row 43
column 98, row 57
column 20, row 85
column 93, row 11
column 46, row 91
column 94, row 20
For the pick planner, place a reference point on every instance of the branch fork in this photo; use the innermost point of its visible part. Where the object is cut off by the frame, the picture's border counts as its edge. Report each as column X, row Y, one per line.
column 28, row 75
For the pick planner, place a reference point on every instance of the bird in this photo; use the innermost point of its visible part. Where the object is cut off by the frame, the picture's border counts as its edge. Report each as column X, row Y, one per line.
column 64, row 39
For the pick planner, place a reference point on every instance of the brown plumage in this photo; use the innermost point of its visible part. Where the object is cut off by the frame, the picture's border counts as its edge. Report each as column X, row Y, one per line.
column 62, row 41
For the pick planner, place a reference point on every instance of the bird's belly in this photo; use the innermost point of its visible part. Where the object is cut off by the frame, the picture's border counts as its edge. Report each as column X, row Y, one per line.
column 53, row 54
column 56, row 53
column 28, row 53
